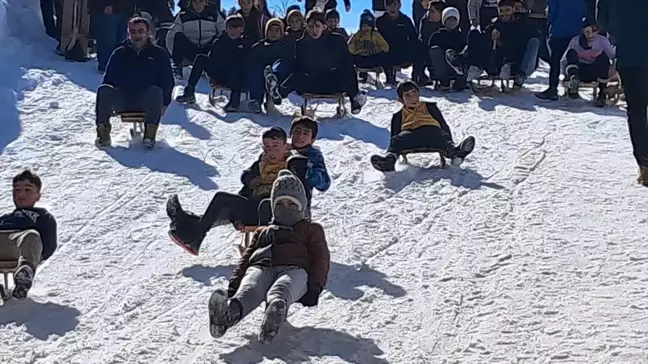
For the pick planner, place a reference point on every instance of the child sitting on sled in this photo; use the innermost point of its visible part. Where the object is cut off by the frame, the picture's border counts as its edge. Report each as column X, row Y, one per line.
column 188, row 230
column 287, row 262
column 419, row 127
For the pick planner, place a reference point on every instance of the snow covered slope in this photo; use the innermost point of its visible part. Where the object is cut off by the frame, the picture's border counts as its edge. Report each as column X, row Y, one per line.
column 534, row 252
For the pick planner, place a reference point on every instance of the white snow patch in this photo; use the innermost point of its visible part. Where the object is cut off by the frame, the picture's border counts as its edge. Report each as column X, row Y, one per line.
column 534, row 251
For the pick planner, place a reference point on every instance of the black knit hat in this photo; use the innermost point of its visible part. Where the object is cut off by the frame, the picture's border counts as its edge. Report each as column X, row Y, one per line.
column 307, row 122
column 316, row 15
column 406, row 86
column 367, row 18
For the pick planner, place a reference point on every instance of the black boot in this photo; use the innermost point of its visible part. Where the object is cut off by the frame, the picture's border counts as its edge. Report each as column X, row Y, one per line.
column 23, row 279
column 459, row 153
column 234, row 102
column 103, row 134
column 223, row 315
column 384, row 164
column 185, row 228
column 188, row 96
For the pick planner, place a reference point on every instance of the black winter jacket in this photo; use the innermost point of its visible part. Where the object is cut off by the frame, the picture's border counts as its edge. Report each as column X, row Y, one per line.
column 227, row 53
column 266, row 52
column 399, row 32
column 35, row 218
column 446, row 39
column 323, row 55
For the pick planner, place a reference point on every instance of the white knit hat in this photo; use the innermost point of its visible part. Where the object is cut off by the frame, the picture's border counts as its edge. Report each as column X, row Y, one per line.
column 449, row 13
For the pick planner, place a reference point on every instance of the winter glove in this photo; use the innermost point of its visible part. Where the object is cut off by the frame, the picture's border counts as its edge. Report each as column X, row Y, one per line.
column 311, row 298
column 298, row 165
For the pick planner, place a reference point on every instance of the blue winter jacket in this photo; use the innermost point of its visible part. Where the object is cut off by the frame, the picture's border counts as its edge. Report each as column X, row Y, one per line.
column 565, row 17
column 316, row 174
column 35, row 218
column 134, row 71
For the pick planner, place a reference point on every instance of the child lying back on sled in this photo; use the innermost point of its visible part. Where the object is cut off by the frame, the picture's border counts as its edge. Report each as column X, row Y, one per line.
column 287, row 262
column 188, row 230
column 419, row 127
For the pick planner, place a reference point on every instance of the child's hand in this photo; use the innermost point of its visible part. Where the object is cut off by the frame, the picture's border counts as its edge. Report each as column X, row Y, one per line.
column 495, row 35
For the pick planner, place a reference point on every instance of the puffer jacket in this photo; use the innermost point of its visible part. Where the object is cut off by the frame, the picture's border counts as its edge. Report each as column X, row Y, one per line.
column 367, row 43
column 200, row 28
column 303, row 245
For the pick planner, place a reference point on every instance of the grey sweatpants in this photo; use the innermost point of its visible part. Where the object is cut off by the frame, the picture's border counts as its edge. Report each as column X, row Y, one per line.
column 24, row 246
column 259, row 284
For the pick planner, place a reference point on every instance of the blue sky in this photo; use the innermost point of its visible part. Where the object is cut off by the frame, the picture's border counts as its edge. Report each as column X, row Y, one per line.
column 349, row 20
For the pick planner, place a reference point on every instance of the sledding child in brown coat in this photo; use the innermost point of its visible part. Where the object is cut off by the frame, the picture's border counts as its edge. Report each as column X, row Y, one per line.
column 419, row 126
column 287, row 262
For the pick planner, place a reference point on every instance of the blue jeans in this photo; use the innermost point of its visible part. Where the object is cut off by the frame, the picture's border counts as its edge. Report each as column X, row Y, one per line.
column 528, row 65
column 109, row 31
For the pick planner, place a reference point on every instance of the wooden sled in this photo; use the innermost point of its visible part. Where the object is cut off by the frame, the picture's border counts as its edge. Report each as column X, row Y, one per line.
column 425, row 150
column 136, row 118
column 341, row 110
column 486, row 83
column 7, row 268
column 613, row 91
column 376, row 71
column 213, row 98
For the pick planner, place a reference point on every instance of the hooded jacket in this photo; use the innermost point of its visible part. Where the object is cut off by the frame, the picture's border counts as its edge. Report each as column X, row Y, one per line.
column 398, row 32
column 367, row 43
column 303, row 245
column 200, row 28
column 321, row 55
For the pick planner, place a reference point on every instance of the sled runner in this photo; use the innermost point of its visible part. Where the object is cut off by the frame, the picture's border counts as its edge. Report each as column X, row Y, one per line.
column 340, row 112
column 7, row 268
column 135, row 118
column 215, row 87
column 421, row 151
column 613, row 91
column 376, row 71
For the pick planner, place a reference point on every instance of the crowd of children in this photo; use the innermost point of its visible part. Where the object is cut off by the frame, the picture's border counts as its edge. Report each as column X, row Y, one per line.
column 451, row 42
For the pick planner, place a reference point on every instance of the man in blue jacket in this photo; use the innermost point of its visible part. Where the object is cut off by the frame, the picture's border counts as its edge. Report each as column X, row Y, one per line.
column 565, row 18
column 138, row 78
column 28, row 234
column 625, row 21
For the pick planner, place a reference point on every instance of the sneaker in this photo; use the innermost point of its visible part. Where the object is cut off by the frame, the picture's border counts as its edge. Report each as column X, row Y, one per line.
column 358, row 102
column 275, row 316
column 272, row 87
column 573, row 86
column 150, row 132
column 473, row 73
column 643, row 176
column 103, row 134
column 463, row 150
column 548, row 94
column 384, row 164
column 255, row 107
column 454, row 61
column 188, row 96
column 23, row 279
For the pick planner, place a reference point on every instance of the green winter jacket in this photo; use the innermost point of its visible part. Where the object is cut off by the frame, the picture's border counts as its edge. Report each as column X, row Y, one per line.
column 625, row 21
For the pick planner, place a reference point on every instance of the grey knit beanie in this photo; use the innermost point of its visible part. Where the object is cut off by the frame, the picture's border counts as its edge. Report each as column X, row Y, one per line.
column 287, row 185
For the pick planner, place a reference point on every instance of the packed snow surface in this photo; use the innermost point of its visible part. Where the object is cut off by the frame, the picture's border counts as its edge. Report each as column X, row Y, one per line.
column 534, row 251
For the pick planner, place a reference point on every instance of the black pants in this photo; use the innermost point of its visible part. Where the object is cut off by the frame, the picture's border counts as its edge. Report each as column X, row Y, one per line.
column 598, row 70
column 412, row 53
column 111, row 99
column 440, row 66
column 421, row 138
column 479, row 53
column 50, row 9
column 233, row 78
column 328, row 83
column 557, row 48
column 635, row 85
column 379, row 60
column 227, row 208
column 184, row 49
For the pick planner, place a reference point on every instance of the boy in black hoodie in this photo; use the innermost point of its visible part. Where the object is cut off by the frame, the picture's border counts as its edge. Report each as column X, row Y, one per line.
column 322, row 65
column 265, row 53
column 445, row 44
column 333, row 24
column 28, row 234
column 431, row 22
column 404, row 46
column 419, row 126
column 225, row 64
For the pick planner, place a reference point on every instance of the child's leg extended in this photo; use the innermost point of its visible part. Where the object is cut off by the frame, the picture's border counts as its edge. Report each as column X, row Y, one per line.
column 290, row 285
